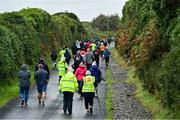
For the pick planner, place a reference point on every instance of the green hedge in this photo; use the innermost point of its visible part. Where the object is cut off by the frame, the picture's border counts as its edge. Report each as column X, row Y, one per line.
column 149, row 38
column 30, row 33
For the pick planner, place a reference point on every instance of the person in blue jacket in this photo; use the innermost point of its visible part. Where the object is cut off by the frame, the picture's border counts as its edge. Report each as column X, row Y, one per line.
column 24, row 83
column 95, row 71
column 106, row 55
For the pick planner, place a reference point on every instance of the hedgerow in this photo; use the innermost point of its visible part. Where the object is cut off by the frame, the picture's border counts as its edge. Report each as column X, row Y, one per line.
column 30, row 33
column 149, row 38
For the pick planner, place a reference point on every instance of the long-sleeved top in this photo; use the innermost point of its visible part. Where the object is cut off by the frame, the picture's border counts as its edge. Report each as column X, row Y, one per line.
column 95, row 71
column 106, row 53
column 80, row 73
column 41, row 76
column 45, row 67
column 89, row 57
column 24, row 78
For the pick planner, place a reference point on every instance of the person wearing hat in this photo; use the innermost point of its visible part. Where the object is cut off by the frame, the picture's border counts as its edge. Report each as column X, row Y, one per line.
column 24, row 83
column 68, row 86
column 95, row 71
column 80, row 73
column 62, row 67
column 42, row 77
column 88, row 91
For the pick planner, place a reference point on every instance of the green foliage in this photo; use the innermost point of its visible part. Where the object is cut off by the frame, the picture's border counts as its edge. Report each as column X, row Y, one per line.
column 149, row 39
column 90, row 32
column 106, row 23
column 30, row 33
column 147, row 99
column 9, row 52
column 109, row 80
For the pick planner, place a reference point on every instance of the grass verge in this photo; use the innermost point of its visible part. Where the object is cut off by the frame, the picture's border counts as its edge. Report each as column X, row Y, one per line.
column 11, row 90
column 108, row 100
column 148, row 100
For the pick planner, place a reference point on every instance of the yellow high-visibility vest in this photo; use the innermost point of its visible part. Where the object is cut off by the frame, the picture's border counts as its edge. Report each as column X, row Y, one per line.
column 93, row 46
column 61, row 53
column 68, row 83
column 88, row 85
column 62, row 66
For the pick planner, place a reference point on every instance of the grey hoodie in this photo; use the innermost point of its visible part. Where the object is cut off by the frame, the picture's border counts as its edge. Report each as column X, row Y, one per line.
column 24, row 77
column 89, row 57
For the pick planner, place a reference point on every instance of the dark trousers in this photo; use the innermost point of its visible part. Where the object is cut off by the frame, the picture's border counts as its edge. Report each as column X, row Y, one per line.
column 102, row 53
column 88, row 102
column 80, row 87
column 59, row 78
column 107, row 61
column 67, row 101
column 24, row 93
column 97, row 62
column 67, row 61
column 88, row 66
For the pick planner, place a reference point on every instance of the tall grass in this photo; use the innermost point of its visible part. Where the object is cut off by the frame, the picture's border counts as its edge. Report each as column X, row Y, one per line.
column 11, row 90
column 148, row 100
column 108, row 101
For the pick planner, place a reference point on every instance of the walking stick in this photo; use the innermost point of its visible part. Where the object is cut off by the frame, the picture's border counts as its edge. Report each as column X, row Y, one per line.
column 98, row 100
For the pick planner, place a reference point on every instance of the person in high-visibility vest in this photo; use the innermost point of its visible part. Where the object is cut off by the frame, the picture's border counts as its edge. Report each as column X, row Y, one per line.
column 88, row 91
column 93, row 47
column 68, row 86
column 62, row 67
column 61, row 53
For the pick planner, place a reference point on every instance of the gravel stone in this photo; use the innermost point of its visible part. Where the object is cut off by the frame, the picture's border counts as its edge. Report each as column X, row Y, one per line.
column 124, row 103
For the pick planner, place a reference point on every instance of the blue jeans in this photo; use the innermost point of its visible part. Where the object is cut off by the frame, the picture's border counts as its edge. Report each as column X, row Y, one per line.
column 24, row 93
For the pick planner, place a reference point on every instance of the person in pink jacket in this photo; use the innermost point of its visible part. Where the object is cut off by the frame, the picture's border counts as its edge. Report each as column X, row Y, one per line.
column 80, row 73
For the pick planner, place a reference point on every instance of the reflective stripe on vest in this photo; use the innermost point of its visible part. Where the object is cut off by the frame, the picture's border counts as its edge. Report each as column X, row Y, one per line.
column 88, row 85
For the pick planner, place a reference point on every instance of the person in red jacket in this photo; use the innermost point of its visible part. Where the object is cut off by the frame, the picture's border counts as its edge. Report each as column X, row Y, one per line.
column 80, row 73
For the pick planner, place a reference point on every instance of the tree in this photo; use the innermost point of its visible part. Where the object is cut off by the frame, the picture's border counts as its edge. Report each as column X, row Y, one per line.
column 106, row 23
column 114, row 22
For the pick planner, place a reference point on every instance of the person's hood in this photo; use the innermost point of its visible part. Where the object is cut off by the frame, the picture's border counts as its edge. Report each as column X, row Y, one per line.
column 23, row 67
column 94, row 67
column 82, row 67
column 88, row 72
column 63, row 59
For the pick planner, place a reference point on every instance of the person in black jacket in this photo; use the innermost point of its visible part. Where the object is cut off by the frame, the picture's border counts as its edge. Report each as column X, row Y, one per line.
column 77, row 61
column 45, row 66
column 53, row 58
column 74, row 49
column 24, row 83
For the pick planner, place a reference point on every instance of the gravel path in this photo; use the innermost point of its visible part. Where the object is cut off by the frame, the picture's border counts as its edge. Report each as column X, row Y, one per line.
column 124, row 103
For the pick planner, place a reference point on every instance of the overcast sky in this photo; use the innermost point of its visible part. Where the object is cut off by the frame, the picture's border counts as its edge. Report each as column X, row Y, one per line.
column 85, row 9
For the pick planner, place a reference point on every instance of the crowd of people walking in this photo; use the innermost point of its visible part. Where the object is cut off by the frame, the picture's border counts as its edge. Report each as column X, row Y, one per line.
column 82, row 75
